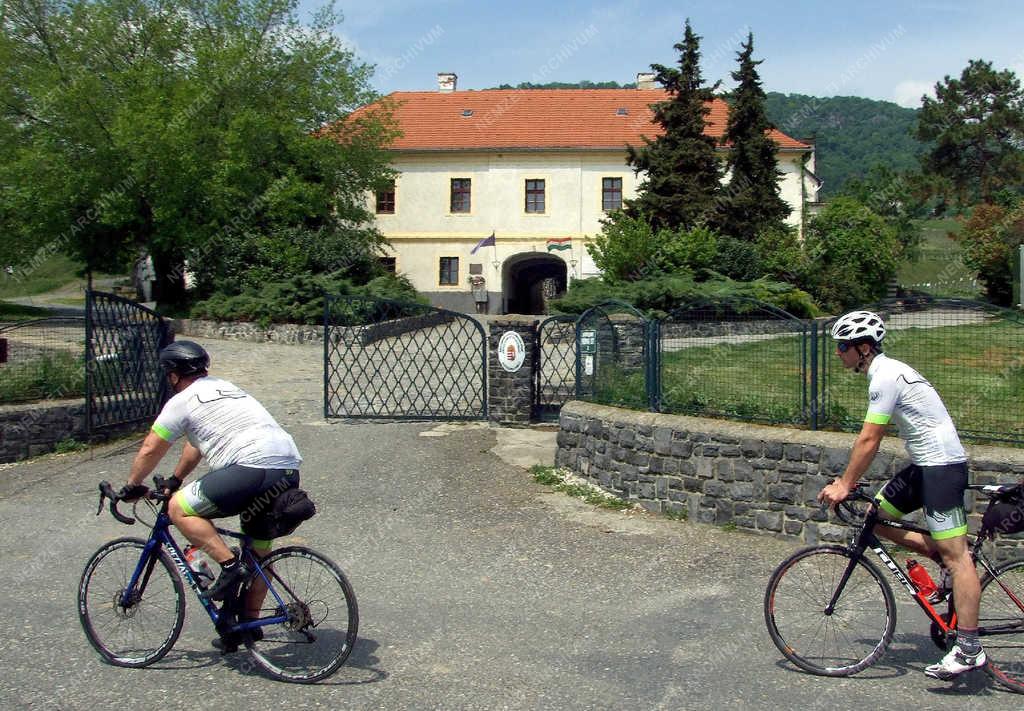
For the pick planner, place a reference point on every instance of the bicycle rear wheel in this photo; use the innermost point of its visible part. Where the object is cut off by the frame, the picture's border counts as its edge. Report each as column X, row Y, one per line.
column 142, row 631
column 1001, row 624
column 323, row 617
column 850, row 639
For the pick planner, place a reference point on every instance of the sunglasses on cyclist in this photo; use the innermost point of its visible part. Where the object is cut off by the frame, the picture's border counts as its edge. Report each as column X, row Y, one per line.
column 844, row 346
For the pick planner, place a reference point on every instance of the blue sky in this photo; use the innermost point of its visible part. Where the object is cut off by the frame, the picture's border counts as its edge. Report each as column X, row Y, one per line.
column 881, row 50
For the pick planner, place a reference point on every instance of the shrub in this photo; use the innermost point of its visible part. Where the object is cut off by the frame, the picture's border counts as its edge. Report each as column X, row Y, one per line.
column 990, row 239
column 662, row 293
column 299, row 299
column 852, row 254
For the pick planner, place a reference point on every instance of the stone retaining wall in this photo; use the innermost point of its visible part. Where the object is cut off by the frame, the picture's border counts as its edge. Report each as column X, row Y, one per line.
column 753, row 477
column 290, row 333
column 34, row 429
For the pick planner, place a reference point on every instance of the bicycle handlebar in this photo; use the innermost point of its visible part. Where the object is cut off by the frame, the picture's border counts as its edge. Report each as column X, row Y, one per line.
column 845, row 511
column 107, row 492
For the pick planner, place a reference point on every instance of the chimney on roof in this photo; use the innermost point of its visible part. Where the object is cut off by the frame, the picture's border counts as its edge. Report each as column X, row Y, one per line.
column 645, row 80
column 446, row 82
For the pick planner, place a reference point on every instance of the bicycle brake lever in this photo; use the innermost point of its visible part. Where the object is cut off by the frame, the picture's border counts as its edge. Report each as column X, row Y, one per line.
column 99, row 509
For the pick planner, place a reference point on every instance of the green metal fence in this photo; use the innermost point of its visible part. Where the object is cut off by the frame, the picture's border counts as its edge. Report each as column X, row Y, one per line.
column 748, row 360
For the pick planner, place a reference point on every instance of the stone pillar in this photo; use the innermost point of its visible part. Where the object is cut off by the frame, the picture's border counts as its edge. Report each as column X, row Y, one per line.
column 510, row 394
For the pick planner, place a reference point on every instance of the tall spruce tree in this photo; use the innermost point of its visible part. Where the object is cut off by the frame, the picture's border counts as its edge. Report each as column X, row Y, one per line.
column 750, row 203
column 683, row 176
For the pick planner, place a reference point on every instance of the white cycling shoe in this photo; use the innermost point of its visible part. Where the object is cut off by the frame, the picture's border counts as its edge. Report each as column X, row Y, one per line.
column 956, row 663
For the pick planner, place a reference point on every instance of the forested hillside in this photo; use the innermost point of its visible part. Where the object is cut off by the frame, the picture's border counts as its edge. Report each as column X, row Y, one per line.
column 852, row 134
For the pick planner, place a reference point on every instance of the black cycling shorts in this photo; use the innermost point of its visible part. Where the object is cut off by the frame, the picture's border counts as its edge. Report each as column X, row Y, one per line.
column 236, row 490
column 939, row 489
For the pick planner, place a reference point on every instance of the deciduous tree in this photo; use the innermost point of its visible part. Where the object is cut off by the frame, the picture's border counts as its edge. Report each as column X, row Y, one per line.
column 188, row 129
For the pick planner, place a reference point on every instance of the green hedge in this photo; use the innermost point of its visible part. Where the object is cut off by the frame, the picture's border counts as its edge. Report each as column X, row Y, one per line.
column 658, row 295
column 298, row 300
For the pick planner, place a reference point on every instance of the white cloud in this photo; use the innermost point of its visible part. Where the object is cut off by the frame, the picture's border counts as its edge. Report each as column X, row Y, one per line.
column 908, row 93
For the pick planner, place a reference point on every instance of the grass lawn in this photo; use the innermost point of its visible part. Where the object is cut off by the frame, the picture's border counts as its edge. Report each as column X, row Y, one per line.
column 978, row 370
column 939, row 270
column 17, row 312
column 57, row 271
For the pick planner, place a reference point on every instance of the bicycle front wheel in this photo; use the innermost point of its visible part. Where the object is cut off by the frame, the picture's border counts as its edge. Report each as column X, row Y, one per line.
column 137, row 628
column 322, row 617
column 1001, row 624
column 841, row 643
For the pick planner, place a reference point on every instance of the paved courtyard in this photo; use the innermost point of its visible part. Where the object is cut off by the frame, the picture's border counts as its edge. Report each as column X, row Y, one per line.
column 477, row 587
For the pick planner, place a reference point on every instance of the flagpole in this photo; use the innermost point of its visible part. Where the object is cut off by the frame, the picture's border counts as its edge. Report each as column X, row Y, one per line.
column 494, row 246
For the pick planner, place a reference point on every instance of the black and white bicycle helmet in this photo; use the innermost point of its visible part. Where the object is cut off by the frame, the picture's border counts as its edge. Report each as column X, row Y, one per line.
column 859, row 325
column 184, row 358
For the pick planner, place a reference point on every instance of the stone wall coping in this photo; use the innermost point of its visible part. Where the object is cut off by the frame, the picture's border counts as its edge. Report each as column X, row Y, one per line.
column 790, row 435
column 26, row 407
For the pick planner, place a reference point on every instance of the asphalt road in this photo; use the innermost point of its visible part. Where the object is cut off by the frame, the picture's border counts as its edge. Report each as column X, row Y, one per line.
column 477, row 588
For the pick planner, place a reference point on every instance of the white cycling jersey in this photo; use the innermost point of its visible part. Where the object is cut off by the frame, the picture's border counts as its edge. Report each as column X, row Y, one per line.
column 898, row 392
column 228, row 426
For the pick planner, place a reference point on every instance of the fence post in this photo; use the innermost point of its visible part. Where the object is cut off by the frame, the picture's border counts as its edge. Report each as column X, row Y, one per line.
column 3, row 350
column 653, row 365
column 814, row 374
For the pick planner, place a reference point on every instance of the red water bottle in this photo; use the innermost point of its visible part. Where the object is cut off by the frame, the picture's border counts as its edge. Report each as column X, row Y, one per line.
column 919, row 575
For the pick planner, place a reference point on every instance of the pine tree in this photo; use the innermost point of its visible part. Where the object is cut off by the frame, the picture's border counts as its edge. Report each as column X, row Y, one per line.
column 750, row 203
column 682, row 173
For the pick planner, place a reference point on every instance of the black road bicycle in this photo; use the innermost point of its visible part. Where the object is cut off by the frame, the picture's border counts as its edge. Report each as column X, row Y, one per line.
column 131, row 601
column 831, row 611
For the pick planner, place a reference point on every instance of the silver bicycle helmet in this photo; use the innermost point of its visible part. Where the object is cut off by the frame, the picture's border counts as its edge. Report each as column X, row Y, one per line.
column 858, row 325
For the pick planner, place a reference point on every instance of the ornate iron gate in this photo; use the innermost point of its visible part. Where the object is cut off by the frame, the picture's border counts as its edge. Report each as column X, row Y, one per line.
column 123, row 381
column 615, row 364
column 554, row 366
column 393, row 360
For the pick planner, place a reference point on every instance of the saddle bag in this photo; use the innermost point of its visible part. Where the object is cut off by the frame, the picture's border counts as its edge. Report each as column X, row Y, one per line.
column 1005, row 514
column 289, row 510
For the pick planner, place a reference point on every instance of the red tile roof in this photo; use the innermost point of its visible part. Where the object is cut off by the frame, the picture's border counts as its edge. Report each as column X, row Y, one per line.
column 539, row 119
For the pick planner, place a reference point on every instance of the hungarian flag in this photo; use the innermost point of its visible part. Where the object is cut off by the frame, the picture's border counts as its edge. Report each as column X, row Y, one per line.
column 486, row 241
column 559, row 243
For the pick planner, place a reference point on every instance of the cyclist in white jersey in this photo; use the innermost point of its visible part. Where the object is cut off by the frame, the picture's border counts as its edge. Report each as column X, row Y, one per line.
column 935, row 480
column 252, row 461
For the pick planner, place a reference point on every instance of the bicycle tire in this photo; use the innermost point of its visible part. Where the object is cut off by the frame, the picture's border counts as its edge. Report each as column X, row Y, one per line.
column 1005, row 652
column 323, row 617
column 840, row 644
column 128, row 637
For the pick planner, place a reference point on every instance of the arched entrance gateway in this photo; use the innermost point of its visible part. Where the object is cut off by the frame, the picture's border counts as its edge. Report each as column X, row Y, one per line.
column 529, row 280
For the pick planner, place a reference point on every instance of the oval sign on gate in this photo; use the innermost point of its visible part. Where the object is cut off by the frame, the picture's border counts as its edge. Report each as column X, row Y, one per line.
column 511, row 351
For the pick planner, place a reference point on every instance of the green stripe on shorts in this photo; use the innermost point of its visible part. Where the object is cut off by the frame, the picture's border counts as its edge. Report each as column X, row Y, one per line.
column 951, row 533
column 888, row 508
column 185, row 505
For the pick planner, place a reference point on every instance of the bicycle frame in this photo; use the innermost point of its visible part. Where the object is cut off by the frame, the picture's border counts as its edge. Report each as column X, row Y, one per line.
column 867, row 538
column 161, row 538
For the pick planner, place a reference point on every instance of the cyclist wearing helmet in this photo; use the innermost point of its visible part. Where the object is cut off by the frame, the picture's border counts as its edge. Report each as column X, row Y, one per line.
column 252, row 460
column 935, row 480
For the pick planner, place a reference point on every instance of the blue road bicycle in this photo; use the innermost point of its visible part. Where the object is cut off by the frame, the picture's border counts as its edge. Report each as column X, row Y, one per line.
column 131, row 601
